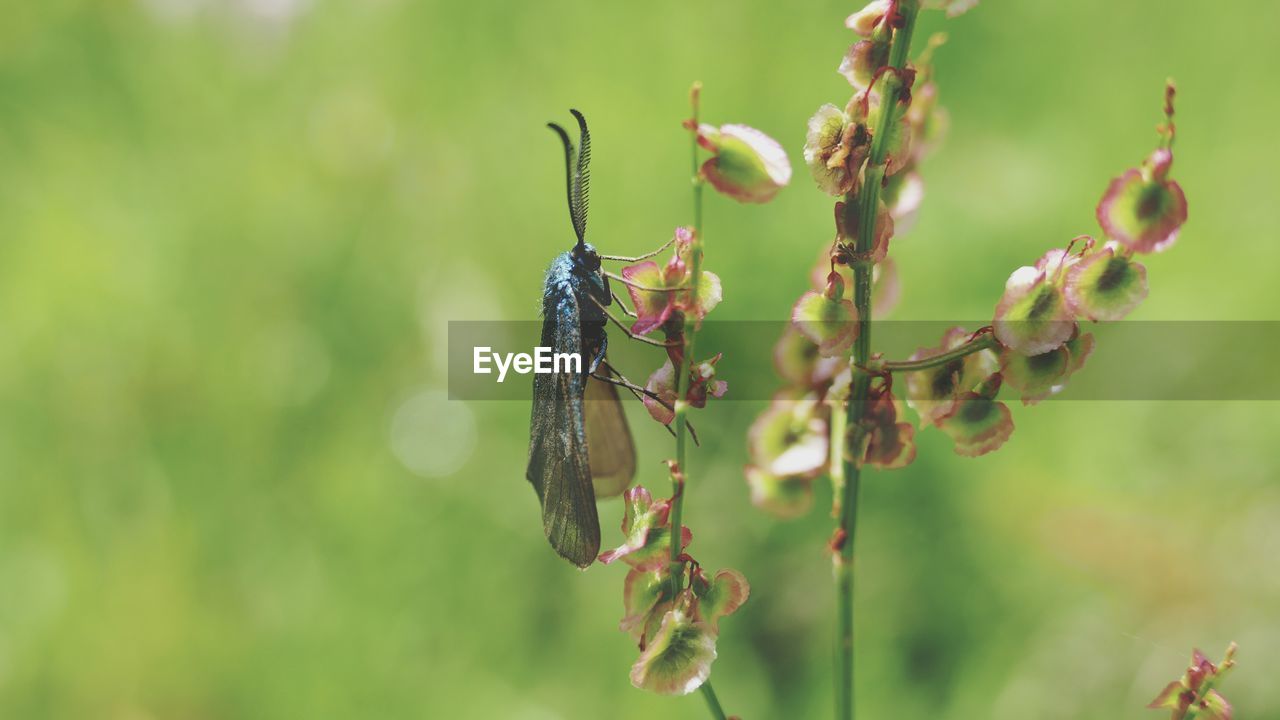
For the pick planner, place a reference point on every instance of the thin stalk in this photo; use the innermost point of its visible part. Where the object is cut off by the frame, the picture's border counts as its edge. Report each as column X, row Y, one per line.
column 682, row 405
column 686, row 366
column 713, row 703
column 978, row 344
column 1193, row 710
column 851, row 465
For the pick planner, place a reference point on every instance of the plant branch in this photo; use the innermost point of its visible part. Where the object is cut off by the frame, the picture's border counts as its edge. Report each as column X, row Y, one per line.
column 686, row 367
column 713, row 703
column 683, row 374
column 978, row 344
column 1209, row 683
column 851, row 446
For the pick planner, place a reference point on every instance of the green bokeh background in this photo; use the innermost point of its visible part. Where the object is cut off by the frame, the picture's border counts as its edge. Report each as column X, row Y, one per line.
column 232, row 234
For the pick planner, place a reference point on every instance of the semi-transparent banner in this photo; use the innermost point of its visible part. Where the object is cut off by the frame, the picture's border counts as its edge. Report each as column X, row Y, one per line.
column 1131, row 360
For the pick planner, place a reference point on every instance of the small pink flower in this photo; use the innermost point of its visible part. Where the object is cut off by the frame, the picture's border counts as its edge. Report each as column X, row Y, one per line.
column 658, row 291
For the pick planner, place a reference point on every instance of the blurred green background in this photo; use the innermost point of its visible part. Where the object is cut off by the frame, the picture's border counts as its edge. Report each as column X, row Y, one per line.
column 232, row 233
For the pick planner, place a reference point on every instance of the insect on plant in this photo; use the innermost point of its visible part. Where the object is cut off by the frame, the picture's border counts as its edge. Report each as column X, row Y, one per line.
column 837, row 414
column 580, row 445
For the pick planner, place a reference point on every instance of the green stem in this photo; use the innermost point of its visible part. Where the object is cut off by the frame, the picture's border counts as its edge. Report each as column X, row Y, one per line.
column 851, row 466
column 978, row 344
column 713, row 703
column 682, row 373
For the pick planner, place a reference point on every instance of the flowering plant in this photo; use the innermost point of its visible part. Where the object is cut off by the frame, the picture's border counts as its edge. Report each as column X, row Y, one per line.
column 843, row 408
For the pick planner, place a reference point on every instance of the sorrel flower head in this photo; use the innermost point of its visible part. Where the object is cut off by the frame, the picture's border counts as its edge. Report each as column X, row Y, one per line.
column 1106, row 284
column 933, row 393
column 657, row 292
column 789, row 438
column 646, row 525
column 677, row 656
column 979, row 423
column 746, row 164
column 1033, row 315
column 796, row 359
column 1194, row 689
column 870, row 18
column 827, row 318
column 849, row 224
column 675, row 623
column 832, row 148
column 889, row 444
column 701, row 384
column 1037, row 313
column 1035, row 376
column 860, row 63
column 1143, row 209
column 677, row 659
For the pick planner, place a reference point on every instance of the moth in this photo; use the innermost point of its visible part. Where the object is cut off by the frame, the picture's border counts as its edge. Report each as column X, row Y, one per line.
column 580, row 445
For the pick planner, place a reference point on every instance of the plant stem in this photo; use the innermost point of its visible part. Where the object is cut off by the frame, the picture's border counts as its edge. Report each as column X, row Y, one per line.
column 868, row 199
column 1193, row 711
column 713, row 703
column 682, row 373
column 978, row 344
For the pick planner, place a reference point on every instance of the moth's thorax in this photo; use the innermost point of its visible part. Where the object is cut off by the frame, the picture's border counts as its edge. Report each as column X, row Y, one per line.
column 577, row 273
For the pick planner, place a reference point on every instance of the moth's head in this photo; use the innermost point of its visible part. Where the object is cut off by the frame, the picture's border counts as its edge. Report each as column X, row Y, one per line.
column 585, row 256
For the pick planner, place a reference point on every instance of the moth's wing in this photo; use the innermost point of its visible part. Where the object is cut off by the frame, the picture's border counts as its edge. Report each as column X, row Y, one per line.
column 609, row 445
column 558, row 465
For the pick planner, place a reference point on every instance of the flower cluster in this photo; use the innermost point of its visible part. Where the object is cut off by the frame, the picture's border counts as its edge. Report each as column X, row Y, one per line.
column 1036, row 342
column 664, row 298
column 839, row 140
column 790, row 444
column 674, row 620
column 1193, row 695
column 867, row 155
column 1140, row 212
column 745, row 165
column 672, row 607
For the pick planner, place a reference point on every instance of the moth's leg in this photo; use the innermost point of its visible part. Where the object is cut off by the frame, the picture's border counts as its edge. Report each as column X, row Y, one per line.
column 646, row 256
column 636, row 390
column 625, row 310
column 599, row 355
column 608, row 291
column 625, row 329
column 638, row 286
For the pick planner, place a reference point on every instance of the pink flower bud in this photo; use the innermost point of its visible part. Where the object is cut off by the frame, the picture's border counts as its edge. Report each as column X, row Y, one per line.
column 747, row 165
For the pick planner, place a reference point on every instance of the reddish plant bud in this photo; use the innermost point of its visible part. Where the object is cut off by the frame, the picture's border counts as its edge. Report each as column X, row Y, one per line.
column 868, row 19
column 746, row 164
column 861, row 62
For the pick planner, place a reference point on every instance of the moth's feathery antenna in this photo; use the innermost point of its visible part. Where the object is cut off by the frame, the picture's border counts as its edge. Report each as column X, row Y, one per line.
column 582, row 175
column 569, row 178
